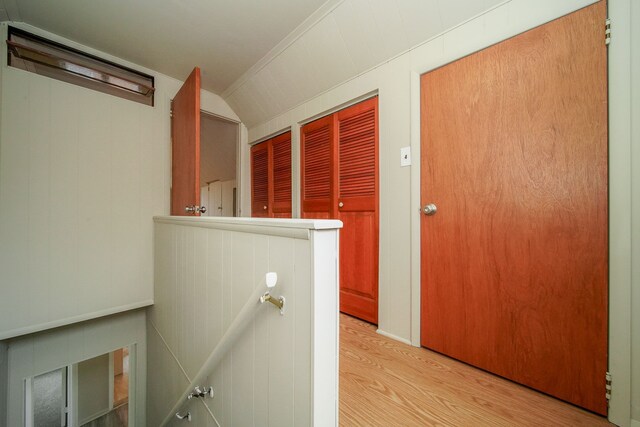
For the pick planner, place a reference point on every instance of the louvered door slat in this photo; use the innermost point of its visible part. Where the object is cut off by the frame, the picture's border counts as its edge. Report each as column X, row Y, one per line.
column 357, row 145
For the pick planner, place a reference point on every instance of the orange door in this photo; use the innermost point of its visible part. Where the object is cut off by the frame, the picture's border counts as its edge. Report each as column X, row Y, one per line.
column 317, row 172
column 271, row 177
column 339, row 157
column 185, row 147
column 281, row 172
column 357, row 177
column 260, row 180
column 514, row 156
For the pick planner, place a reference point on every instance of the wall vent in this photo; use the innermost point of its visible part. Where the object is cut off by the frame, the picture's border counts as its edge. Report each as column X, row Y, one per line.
column 45, row 57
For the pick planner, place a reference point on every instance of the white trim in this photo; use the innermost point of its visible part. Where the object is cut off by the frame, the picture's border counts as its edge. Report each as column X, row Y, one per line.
column 111, row 380
column 72, row 395
column 415, row 210
column 133, row 372
column 28, row 402
column 635, row 423
column 339, row 107
column 74, row 319
column 294, row 228
column 271, row 135
column 620, row 220
column 393, row 337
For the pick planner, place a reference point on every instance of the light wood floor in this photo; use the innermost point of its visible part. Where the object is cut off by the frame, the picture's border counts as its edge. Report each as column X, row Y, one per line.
column 386, row 383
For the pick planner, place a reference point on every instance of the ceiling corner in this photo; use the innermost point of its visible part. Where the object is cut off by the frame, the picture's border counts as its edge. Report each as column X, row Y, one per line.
column 11, row 10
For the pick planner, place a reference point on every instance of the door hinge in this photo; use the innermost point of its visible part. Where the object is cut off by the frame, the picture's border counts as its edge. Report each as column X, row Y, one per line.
column 607, row 31
column 607, row 386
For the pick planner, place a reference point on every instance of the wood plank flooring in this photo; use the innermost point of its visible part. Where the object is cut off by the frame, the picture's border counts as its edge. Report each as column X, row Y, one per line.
column 387, row 383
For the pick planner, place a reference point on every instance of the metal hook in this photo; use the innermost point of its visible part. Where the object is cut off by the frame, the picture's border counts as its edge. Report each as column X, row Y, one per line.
column 186, row 416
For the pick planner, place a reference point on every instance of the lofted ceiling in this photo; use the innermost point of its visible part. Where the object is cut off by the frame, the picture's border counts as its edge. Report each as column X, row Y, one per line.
column 262, row 57
column 224, row 37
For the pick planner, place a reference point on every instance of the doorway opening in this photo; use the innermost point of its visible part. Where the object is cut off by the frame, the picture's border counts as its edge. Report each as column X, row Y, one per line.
column 90, row 393
column 218, row 165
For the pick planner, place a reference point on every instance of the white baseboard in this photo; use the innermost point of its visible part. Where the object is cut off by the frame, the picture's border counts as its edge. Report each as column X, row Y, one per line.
column 394, row 337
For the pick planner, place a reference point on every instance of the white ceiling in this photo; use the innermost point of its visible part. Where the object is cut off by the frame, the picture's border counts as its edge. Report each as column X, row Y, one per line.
column 223, row 37
column 264, row 57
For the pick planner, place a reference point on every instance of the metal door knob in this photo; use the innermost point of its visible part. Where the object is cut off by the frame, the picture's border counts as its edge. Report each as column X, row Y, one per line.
column 430, row 209
column 194, row 209
column 264, row 207
column 340, row 204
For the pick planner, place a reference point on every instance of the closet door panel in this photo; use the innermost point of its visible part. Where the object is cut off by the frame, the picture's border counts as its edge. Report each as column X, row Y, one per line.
column 281, row 149
column 357, row 141
column 317, row 159
column 260, row 180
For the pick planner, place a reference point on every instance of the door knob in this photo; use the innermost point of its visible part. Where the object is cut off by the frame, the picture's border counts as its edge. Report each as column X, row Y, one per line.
column 430, row 209
column 264, row 207
column 340, row 204
column 193, row 209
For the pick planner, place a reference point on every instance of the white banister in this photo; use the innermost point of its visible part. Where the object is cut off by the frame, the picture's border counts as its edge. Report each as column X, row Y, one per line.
column 244, row 317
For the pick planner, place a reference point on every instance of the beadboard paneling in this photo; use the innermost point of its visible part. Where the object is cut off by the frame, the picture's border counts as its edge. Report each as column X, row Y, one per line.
column 42, row 352
column 81, row 175
column 204, row 273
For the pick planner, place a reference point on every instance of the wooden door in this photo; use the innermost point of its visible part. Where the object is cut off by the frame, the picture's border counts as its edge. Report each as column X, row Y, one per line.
column 339, row 179
column 514, row 262
column 317, row 172
column 260, row 180
column 271, row 177
column 357, row 192
column 185, row 146
column 281, row 172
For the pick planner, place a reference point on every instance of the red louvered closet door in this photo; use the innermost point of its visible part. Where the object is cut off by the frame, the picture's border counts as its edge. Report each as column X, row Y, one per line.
column 316, row 158
column 260, row 180
column 339, row 157
column 281, row 167
column 358, row 209
column 271, row 177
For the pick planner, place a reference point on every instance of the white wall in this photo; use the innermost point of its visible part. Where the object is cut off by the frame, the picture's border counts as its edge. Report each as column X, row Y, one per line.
column 4, row 375
column 282, row 371
column 81, row 175
column 42, row 352
column 634, row 72
column 396, row 80
column 93, row 388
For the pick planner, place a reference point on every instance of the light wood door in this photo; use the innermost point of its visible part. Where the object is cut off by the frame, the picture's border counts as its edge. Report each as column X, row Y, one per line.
column 339, row 179
column 514, row 262
column 357, row 193
column 185, row 146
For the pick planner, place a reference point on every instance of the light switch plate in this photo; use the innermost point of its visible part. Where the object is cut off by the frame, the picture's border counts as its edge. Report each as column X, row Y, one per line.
column 405, row 156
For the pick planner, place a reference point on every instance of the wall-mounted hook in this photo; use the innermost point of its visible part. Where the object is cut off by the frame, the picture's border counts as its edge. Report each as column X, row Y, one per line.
column 186, row 416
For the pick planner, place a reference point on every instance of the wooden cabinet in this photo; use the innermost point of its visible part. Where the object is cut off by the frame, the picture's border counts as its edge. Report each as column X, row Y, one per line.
column 271, row 177
column 339, row 179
